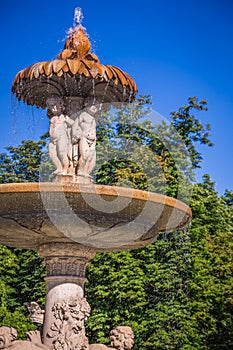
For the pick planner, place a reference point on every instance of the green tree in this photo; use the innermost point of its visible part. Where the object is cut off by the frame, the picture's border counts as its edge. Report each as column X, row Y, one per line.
column 158, row 157
column 212, row 249
column 191, row 129
column 21, row 271
column 10, row 314
column 22, row 163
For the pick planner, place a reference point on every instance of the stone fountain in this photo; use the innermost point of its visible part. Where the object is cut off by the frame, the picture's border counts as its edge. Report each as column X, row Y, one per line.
column 70, row 219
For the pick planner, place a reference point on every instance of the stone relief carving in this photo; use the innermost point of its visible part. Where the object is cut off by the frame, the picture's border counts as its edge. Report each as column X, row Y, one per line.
column 36, row 312
column 8, row 340
column 68, row 331
column 122, row 338
column 69, row 266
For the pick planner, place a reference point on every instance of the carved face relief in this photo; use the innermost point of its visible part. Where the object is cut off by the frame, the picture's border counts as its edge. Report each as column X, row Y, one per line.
column 7, row 336
column 117, row 340
column 122, row 338
column 129, row 343
column 68, row 328
column 3, row 342
column 93, row 109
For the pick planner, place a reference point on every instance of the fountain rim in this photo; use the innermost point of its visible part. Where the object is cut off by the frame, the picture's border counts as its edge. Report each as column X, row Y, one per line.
column 24, row 203
column 30, row 187
column 57, row 74
column 72, row 67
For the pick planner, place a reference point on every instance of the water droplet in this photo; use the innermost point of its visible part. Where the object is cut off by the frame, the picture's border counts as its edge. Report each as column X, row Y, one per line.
column 78, row 16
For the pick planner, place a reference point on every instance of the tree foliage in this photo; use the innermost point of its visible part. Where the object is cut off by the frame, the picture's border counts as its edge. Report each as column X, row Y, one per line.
column 158, row 157
column 191, row 129
column 21, row 271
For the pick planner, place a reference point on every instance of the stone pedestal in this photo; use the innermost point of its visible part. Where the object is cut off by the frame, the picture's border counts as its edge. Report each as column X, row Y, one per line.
column 66, row 307
column 73, row 179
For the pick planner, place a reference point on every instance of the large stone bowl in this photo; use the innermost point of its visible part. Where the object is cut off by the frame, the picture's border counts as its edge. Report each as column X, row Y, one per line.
column 105, row 218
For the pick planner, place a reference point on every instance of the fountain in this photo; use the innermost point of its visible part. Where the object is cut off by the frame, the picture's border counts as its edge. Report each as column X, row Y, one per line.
column 70, row 219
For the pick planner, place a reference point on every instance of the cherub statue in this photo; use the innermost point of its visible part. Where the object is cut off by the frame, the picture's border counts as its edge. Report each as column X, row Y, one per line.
column 122, row 338
column 8, row 340
column 83, row 136
column 59, row 131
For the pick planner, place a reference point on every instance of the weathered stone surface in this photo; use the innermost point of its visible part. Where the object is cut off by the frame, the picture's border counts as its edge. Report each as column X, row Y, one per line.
column 102, row 217
column 72, row 139
column 8, row 340
column 99, row 347
column 122, row 338
column 66, row 307
column 67, row 330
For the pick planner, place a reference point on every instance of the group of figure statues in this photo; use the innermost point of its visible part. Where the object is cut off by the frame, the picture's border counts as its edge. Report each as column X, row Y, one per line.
column 122, row 338
column 72, row 138
column 67, row 331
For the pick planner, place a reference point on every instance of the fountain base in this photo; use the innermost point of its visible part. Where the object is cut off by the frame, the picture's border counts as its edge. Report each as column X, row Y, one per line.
column 67, row 223
column 66, row 307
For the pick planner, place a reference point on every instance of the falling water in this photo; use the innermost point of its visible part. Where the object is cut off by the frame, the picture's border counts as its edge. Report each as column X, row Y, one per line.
column 31, row 122
column 80, row 85
column 27, row 122
column 47, row 86
column 93, row 90
column 75, row 83
column 124, row 93
column 66, row 84
column 105, row 92
column 78, row 16
column 14, row 117
column 130, row 96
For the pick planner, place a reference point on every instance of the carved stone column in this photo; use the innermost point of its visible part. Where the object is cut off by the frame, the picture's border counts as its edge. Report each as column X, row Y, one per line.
column 66, row 307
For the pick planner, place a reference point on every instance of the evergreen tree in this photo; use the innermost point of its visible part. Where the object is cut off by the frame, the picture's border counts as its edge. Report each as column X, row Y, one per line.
column 212, row 249
column 21, row 271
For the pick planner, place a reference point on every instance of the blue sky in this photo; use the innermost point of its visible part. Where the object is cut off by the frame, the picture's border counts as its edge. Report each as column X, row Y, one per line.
column 172, row 48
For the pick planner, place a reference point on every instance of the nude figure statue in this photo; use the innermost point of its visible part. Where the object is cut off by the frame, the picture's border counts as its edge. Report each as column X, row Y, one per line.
column 122, row 338
column 60, row 140
column 83, row 137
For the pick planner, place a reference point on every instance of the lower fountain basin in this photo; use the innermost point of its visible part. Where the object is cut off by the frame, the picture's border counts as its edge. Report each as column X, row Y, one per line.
column 106, row 218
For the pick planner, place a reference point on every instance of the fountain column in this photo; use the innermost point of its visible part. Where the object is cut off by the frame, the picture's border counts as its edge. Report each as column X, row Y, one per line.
column 66, row 307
